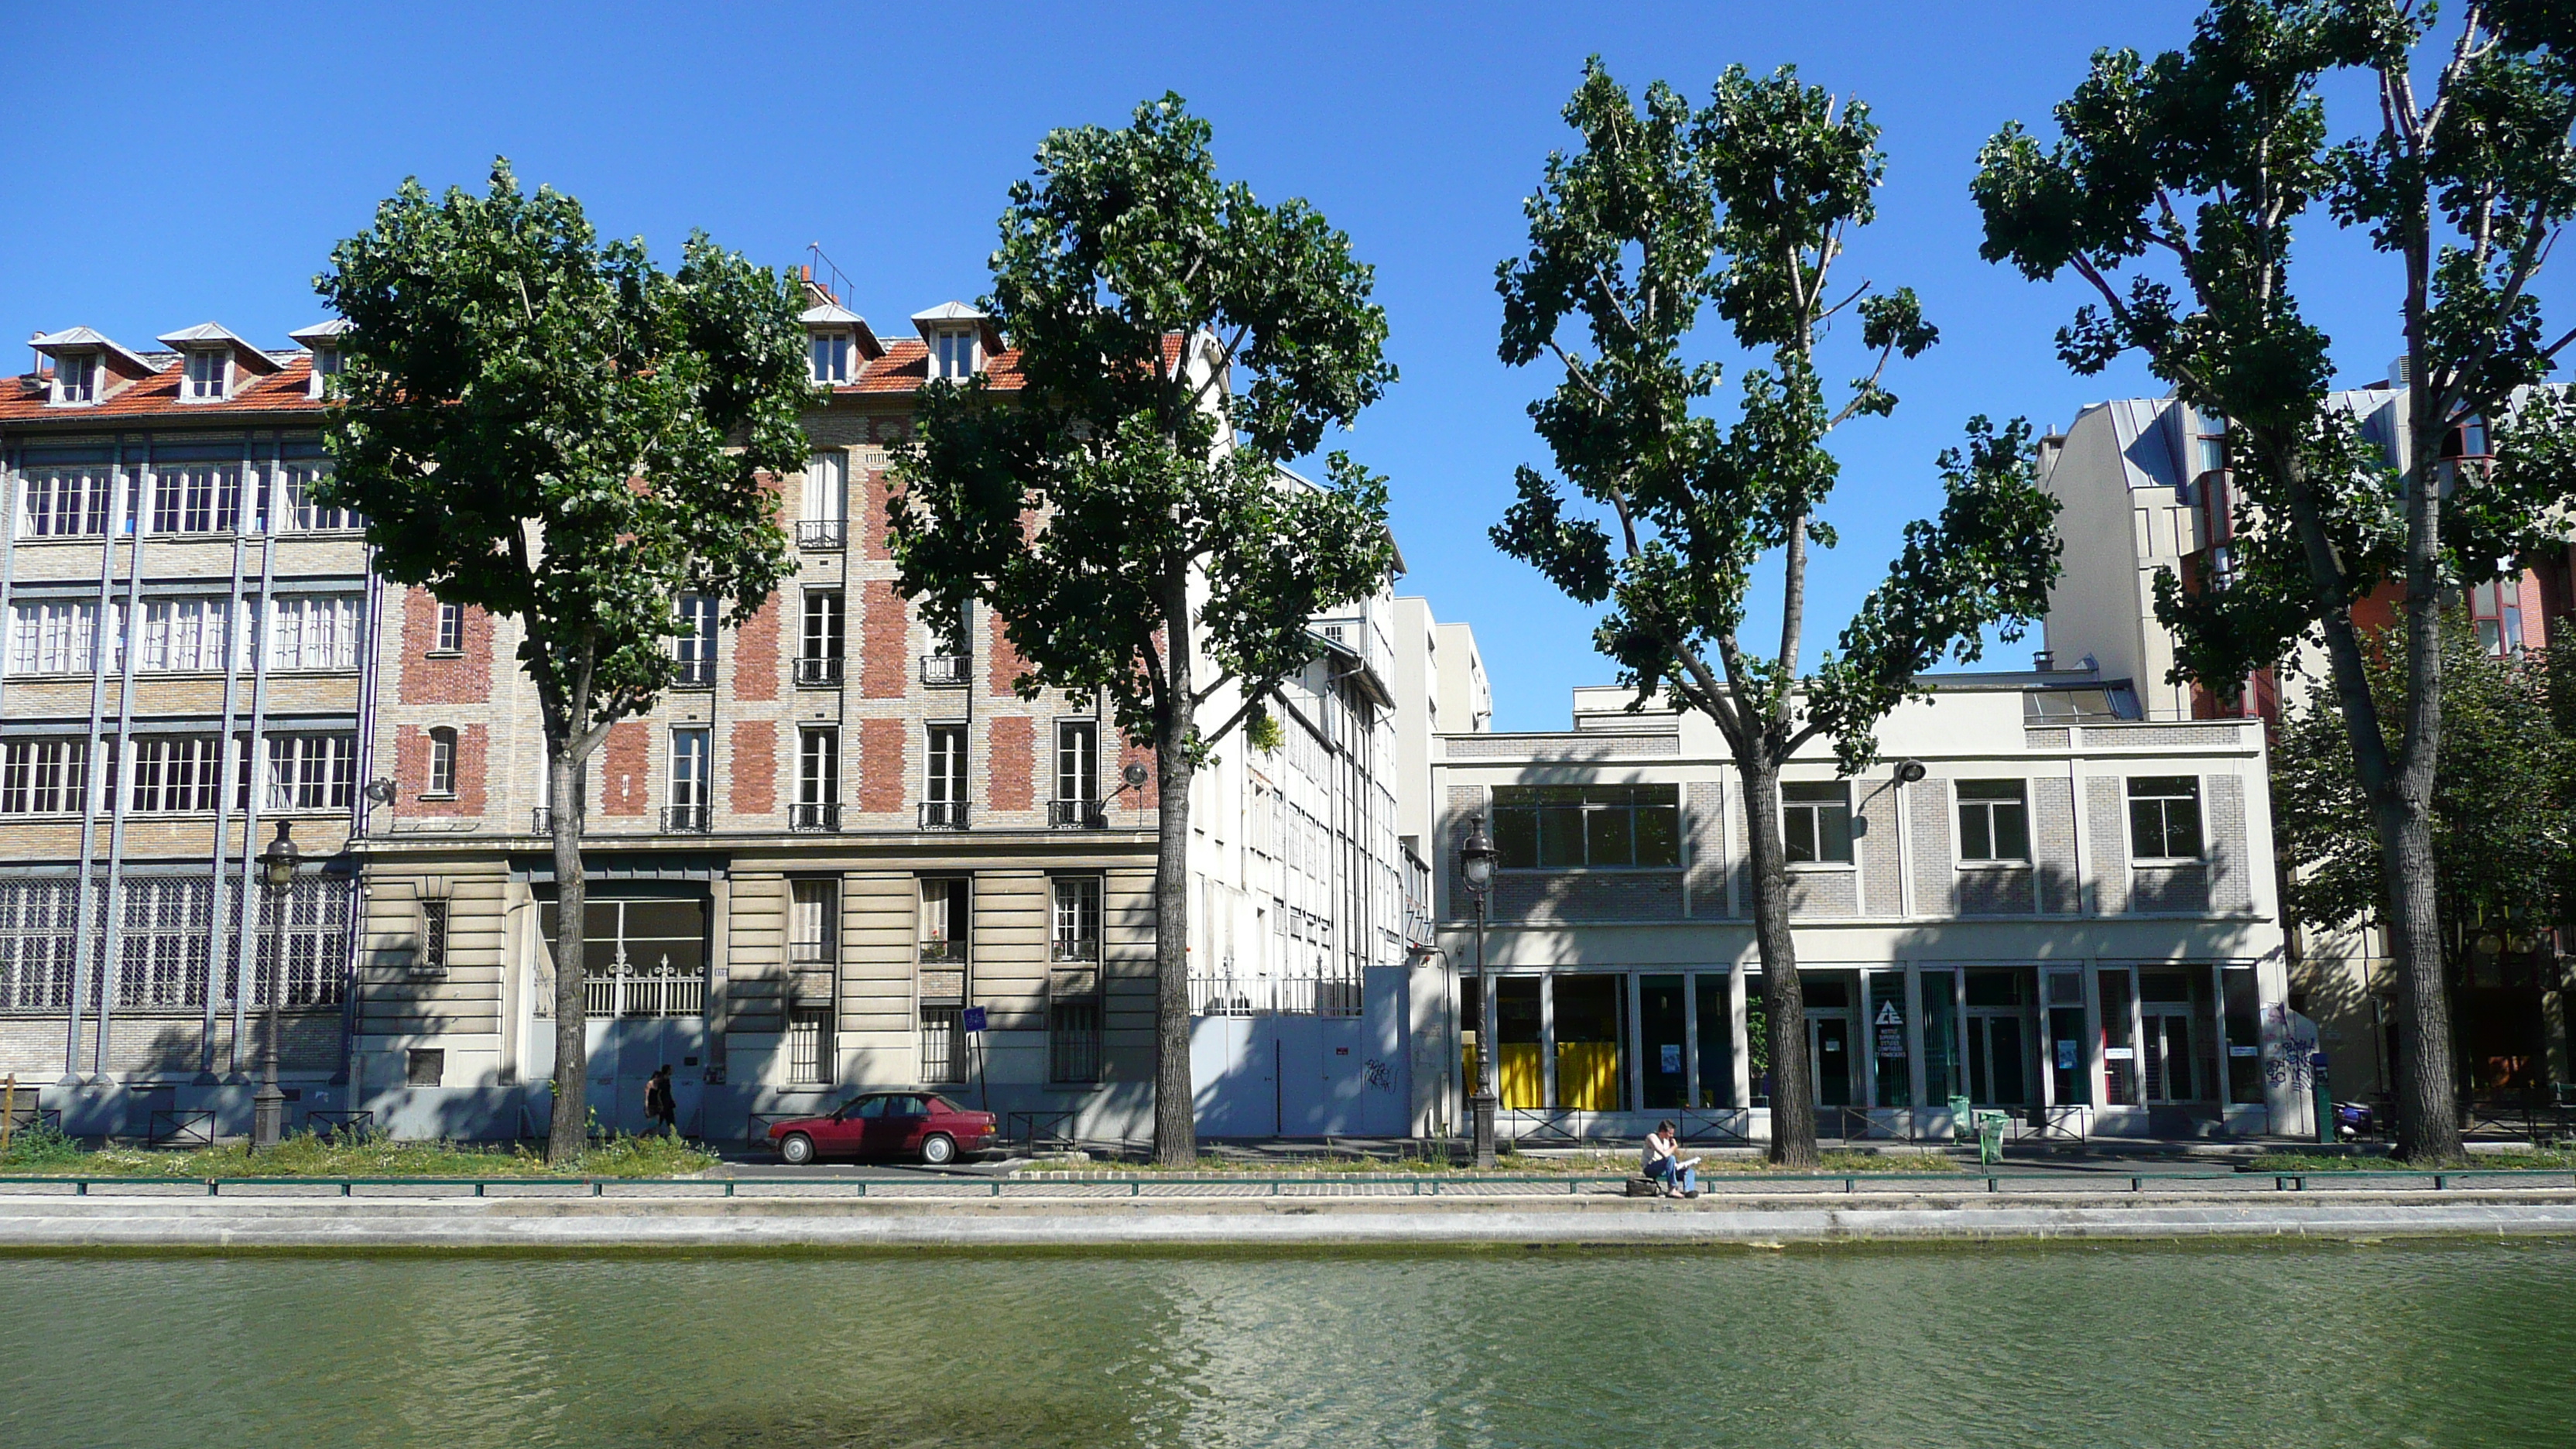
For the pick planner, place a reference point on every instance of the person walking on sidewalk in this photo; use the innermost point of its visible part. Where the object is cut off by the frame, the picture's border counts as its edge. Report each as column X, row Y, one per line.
column 659, row 1104
column 1665, row 1165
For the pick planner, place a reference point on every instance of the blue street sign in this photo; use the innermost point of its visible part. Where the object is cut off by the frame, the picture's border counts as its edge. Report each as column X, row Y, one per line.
column 973, row 1018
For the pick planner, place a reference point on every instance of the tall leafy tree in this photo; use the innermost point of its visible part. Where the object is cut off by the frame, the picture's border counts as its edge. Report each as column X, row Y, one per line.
column 2504, row 794
column 1124, row 511
column 551, row 428
column 1745, row 205
column 2192, row 171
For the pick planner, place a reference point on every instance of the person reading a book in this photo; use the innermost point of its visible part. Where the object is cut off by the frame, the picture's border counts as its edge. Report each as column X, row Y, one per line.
column 1665, row 1165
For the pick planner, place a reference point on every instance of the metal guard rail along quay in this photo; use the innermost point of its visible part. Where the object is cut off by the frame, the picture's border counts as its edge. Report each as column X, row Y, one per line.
column 2441, row 1180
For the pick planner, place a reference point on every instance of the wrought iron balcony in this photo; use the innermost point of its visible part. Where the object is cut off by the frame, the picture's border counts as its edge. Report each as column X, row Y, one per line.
column 823, row 533
column 943, row 814
column 943, row 668
column 818, row 673
column 1074, row 948
column 815, row 817
column 696, row 674
column 1077, row 815
column 684, row 820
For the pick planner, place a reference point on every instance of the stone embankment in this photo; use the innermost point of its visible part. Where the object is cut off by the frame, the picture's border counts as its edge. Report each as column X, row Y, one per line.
column 696, row 1217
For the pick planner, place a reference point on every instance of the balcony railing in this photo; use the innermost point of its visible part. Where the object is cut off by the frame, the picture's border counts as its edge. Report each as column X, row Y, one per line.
column 1077, row 815
column 943, row 669
column 695, row 674
column 818, row 673
column 823, row 533
column 941, row 951
column 943, row 814
column 684, row 820
column 1074, row 948
column 1274, row 996
column 817, row 817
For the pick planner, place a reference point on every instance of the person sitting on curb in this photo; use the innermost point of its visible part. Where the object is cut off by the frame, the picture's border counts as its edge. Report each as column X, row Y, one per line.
column 1666, row 1167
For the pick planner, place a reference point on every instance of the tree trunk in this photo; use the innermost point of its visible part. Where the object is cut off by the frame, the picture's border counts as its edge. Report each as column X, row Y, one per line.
column 2428, row 1113
column 568, row 1133
column 1784, row 1001
column 1176, row 1139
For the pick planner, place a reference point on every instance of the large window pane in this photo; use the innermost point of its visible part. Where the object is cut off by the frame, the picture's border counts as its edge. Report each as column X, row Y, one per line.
column 1607, row 832
column 1560, row 836
column 1716, row 1042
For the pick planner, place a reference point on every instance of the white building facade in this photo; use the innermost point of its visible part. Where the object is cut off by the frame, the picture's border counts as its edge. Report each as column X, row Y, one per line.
column 2067, row 913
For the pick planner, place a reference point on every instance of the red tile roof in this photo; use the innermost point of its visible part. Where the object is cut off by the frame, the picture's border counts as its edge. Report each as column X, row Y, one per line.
column 906, row 366
column 22, row 398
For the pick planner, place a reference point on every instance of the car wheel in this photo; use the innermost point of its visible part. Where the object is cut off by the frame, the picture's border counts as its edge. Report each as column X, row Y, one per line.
column 939, row 1149
column 796, row 1149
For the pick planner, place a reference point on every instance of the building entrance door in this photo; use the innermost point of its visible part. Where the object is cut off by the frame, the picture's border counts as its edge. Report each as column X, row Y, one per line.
column 1829, row 1049
column 2168, row 1054
column 1999, row 1036
column 1997, row 1058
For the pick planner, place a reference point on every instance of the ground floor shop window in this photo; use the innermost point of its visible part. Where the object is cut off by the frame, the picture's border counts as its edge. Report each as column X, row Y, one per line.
column 2119, row 1042
column 943, row 1045
column 1591, row 1027
column 1716, row 1041
column 1073, row 1041
column 809, row 1045
column 1663, row 1038
column 642, row 956
column 1829, row 1040
column 1885, row 1033
column 2244, row 1035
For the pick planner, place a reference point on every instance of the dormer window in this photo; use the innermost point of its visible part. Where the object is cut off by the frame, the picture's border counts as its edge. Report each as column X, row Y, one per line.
column 832, row 359
column 207, row 374
column 958, row 338
column 322, row 339
column 76, row 378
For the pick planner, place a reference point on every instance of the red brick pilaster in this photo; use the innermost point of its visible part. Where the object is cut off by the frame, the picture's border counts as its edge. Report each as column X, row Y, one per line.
column 1011, row 762
column 1008, row 664
column 755, row 654
column 625, row 767
column 881, row 766
column 885, row 641
column 755, row 767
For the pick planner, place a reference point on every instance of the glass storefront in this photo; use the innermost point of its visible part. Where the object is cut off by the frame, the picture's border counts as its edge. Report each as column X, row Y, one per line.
column 1886, row 1039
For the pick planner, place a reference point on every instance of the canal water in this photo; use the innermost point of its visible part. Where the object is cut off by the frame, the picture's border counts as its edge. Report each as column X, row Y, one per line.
column 2345, row 1344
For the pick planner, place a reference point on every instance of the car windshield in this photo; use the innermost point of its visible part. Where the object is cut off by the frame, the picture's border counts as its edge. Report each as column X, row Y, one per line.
column 942, row 1104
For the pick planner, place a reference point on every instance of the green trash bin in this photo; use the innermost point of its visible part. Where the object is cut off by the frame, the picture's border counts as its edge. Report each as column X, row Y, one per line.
column 1987, row 1126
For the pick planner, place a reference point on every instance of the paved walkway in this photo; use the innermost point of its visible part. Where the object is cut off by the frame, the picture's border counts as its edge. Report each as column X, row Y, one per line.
column 305, row 1216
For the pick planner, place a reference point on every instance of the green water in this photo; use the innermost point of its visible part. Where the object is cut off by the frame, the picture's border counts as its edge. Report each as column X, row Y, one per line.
column 2433, row 1344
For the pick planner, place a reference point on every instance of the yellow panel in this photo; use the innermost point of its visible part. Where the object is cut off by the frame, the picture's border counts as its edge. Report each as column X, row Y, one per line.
column 1523, row 1086
column 1587, row 1076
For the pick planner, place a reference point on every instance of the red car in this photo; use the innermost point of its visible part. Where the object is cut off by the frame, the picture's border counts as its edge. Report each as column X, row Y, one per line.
column 886, row 1124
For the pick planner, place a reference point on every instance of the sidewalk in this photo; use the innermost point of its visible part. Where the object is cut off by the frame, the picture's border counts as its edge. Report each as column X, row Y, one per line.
column 968, row 1214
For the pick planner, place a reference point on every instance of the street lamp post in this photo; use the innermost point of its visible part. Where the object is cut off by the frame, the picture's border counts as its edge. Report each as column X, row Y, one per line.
column 1476, row 861
column 276, row 880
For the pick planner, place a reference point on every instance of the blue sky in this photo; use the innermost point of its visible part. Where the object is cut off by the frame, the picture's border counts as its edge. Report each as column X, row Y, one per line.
column 215, row 159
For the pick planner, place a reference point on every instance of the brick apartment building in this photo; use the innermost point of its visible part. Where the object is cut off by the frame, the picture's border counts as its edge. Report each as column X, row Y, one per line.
column 2146, row 490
